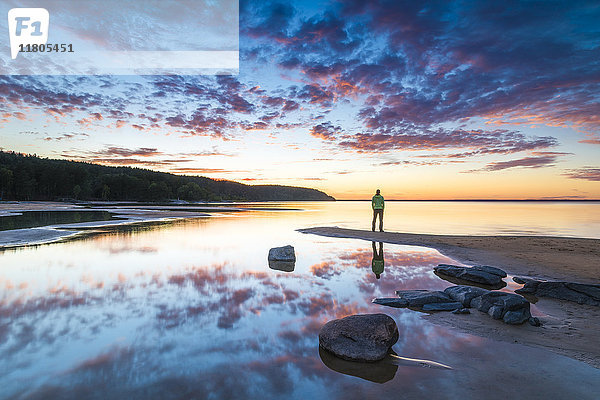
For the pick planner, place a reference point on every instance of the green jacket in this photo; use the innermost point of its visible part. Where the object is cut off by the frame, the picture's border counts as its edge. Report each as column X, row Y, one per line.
column 377, row 265
column 377, row 202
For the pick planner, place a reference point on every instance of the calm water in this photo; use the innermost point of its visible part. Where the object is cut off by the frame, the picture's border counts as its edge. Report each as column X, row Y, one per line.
column 578, row 219
column 192, row 310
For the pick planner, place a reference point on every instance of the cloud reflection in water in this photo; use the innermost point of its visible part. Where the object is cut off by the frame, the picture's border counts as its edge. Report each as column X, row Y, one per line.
column 195, row 319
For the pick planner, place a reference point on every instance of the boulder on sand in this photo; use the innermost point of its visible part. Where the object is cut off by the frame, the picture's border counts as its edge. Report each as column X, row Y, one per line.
column 509, row 307
column 576, row 292
column 490, row 270
column 464, row 293
column 362, row 337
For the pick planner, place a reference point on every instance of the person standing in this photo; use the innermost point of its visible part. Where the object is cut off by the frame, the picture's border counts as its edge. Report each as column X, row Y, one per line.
column 378, row 205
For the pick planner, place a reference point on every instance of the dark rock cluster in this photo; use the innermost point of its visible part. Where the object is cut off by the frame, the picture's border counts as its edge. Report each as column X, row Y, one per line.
column 370, row 337
column 576, row 292
column 509, row 307
column 464, row 294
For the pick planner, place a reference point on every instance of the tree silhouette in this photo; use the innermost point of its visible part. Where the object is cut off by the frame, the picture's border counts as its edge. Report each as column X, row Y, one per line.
column 28, row 177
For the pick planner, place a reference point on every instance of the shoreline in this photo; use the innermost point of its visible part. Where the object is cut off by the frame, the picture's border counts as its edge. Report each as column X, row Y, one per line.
column 568, row 328
column 35, row 236
column 128, row 214
column 17, row 238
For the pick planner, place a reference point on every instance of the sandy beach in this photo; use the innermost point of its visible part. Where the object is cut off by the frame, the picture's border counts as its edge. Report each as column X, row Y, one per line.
column 567, row 328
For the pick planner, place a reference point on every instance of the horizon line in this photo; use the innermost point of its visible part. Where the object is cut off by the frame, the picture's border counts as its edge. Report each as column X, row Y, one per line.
column 473, row 200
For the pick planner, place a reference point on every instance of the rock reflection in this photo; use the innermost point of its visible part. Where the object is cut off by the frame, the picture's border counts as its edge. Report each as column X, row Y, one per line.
column 285, row 266
column 378, row 372
column 377, row 263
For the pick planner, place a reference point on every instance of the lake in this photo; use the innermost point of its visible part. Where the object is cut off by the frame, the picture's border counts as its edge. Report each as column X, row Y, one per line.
column 191, row 309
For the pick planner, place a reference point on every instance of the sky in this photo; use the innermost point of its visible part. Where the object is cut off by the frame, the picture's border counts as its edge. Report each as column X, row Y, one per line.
column 423, row 100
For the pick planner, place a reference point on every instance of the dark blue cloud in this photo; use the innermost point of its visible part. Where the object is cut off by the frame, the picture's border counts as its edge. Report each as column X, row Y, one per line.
column 434, row 62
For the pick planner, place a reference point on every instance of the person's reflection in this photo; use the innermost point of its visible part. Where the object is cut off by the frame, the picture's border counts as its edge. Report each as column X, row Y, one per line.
column 377, row 263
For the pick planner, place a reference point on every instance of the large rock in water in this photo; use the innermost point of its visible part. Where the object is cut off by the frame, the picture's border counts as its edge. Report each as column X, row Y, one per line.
column 480, row 274
column 464, row 294
column 509, row 307
column 285, row 253
column 577, row 292
column 362, row 337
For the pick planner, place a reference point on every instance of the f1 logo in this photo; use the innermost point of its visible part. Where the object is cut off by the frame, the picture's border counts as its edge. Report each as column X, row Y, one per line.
column 27, row 26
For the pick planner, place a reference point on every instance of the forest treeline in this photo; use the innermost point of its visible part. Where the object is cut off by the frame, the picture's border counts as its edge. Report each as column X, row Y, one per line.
column 29, row 177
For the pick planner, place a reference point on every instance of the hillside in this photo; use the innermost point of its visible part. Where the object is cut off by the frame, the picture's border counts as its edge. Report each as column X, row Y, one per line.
column 28, row 177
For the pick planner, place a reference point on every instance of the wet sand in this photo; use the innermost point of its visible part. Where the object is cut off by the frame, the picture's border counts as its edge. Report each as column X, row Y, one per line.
column 8, row 208
column 567, row 328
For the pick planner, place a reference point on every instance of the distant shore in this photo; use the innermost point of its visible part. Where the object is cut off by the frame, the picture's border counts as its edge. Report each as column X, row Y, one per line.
column 567, row 328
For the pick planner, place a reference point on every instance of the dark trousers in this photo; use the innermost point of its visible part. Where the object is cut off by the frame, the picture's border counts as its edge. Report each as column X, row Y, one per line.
column 375, row 213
